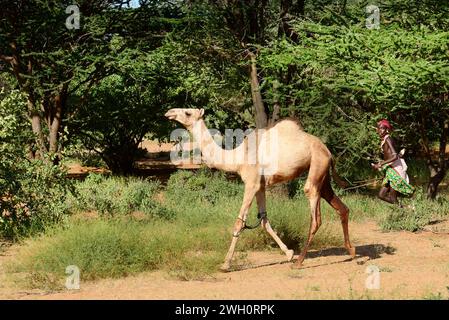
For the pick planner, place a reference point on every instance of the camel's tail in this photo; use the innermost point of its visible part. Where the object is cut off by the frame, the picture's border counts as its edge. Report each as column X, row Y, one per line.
column 342, row 183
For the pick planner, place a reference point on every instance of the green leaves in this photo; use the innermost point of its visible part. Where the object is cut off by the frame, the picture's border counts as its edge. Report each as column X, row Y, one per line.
column 340, row 79
column 31, row 192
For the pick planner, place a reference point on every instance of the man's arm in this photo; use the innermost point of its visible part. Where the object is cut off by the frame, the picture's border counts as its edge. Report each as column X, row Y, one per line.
column 394, row 155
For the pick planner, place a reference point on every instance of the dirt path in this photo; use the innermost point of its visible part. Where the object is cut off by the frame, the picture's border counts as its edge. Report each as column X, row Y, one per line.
column 412, row 266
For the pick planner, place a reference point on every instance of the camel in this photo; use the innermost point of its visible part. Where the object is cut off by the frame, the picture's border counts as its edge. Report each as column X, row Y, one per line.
column 296, row 152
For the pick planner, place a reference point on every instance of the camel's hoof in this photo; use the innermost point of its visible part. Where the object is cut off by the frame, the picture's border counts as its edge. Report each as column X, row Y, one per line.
column 352, row 252
column 290, row 254
column 225, row 268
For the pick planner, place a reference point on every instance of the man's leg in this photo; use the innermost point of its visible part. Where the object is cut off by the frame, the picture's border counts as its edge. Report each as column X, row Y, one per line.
column 385, row 194
column 393, row 196
column 389, row 195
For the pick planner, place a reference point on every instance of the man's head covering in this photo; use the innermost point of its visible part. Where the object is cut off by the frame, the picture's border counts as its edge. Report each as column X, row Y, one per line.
column 385, row 123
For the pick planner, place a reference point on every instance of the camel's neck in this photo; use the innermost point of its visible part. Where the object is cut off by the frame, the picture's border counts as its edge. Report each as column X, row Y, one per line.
column 213, row 155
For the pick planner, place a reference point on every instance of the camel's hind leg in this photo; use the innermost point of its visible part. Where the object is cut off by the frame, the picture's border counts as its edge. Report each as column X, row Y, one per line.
column 328, row 194
column 261, row 205
column 319, row 170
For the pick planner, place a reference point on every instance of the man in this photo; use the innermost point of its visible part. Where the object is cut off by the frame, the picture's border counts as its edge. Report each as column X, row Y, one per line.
column 396, row 178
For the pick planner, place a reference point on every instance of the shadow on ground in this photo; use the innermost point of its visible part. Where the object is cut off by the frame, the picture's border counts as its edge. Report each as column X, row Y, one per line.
column 364, row 253
column 372, row 251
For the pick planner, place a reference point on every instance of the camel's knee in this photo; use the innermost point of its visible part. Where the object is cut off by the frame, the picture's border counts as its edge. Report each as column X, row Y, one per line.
column 318, row 222
column 314, row 227
column 238, row 226
column 311, row 191
column 343, row 212
column 340, row 207
column 306, row 189
column 344, row 215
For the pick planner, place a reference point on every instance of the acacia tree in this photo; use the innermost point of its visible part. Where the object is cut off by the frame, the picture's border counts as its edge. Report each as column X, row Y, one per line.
column 244, row 27
column 349, row 77
column 38, row 50
column 51, row 62
column 113, row 117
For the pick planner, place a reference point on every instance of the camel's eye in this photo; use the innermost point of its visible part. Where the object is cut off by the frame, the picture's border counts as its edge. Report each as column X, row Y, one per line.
column 188, row 113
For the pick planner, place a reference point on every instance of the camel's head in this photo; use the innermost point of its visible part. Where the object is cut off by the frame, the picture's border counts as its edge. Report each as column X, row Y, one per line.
column 186, row 117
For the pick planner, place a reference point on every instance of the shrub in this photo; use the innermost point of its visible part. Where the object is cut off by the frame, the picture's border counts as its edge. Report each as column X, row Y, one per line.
column 419, row 212
column 119, row 196
column 106, row 248
column 37, row 200
column 203, row 185
column 32, row 193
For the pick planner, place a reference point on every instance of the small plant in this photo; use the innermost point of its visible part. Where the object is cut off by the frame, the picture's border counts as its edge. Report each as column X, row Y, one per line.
column 110, row 248
column 433, row 296
column 416, row 215
column 204, row 185
column 111, row 196
column 385, row 269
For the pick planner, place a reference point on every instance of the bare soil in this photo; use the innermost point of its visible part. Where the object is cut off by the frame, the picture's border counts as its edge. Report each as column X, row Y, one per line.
column 411, row 265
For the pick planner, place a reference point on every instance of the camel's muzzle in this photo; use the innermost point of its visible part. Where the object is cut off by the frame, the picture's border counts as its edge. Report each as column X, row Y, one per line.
column 170, row 115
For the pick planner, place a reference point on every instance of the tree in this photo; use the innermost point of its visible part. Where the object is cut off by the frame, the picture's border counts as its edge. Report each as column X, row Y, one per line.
column 51, row 62
column 121, row 109
column 32, row 193
column 349, row 77
column 247, row 28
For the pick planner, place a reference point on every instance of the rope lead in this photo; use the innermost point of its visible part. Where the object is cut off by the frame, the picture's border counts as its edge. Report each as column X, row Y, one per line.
column 260, row 216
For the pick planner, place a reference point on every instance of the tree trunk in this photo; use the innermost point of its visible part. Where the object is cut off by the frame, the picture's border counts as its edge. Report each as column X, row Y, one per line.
column 120, row 160
column 276, row 112
column 37, row 129
column 276, row 104
column 261, row 116
column 435, row 179
column 290, row 9
column 54, row 132
column 438, row 170
column 55, row 120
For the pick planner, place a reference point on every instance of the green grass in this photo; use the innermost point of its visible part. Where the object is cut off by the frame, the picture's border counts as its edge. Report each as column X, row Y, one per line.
column 116, row 248
column 434, row 296
column 190, row 242
column 424, row 211
column 112, row 196
column 192, row 246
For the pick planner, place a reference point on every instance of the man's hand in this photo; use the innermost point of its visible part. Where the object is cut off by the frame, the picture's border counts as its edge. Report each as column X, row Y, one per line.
column 376, row 166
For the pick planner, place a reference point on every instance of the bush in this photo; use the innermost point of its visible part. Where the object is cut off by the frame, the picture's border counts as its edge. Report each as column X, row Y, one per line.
column 191, row 245
column 419, row 212
column 32, row 193
column 204, row 185
column 119, row 196
column 109, row 248
column 36, row 201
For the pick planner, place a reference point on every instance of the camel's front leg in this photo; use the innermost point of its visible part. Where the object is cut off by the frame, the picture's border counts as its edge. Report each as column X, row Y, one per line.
column 261, row 204
column 250, row 191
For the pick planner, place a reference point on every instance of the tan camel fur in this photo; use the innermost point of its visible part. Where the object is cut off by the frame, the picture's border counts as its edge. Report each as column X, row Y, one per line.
column 296, row 152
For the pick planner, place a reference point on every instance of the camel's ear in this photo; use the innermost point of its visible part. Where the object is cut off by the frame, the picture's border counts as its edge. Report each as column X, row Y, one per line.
column 201, row 112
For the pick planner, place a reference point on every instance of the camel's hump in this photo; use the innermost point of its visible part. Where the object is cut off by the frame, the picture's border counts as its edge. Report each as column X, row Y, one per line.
column 288, row 124
column 291, row 129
